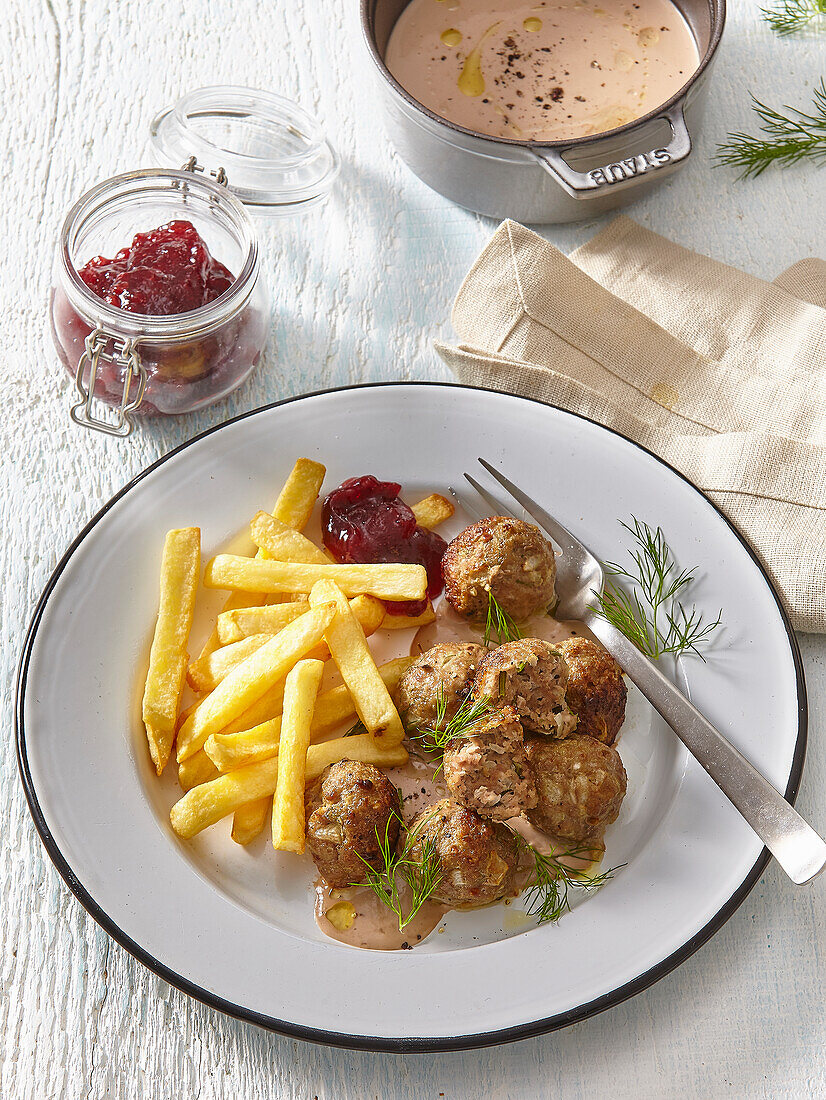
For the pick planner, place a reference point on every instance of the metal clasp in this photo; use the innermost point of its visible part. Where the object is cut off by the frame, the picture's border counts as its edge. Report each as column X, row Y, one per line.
column 192, row 165
column 110, row 349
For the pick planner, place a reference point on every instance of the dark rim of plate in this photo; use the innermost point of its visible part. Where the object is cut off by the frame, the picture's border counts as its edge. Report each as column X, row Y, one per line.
column 411, row 1045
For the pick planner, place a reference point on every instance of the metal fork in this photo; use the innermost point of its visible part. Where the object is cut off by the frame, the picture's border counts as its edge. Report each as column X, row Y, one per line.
column 793, row 843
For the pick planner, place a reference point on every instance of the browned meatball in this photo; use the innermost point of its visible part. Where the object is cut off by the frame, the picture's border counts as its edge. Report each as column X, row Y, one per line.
column 442, row 675
column 505, row 557
column 596, row 691
column 531, row 675
column 348, row 808
column 477, row 859
column 580, row 785
column 486, row 768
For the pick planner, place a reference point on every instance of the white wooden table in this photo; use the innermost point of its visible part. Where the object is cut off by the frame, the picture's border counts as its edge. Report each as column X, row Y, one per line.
column 361, row 288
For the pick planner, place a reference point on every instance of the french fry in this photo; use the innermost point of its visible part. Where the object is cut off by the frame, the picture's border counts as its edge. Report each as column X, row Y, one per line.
column 297, row 499
column 336, row 706
column 404, row 622
column 249, row 820
column 281, row 542
column 332, row 709
column 368, row 611
column 300, row 693
column 249, row 680
column 218, row 665
column 229, row 751
column 209, row 802
column 385, row 582
column 269, row 706
column 433, row 510
column 180, row 566
column 272, row 618
column 197, row 769
column 206, row 673
column 235, row 600
column 293, row 508
column 348, row 646
column 234, row 625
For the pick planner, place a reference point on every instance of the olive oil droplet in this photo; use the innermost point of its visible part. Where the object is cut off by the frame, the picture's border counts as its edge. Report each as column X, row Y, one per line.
column 471, row 81
column 451, row 37
column 532, row 24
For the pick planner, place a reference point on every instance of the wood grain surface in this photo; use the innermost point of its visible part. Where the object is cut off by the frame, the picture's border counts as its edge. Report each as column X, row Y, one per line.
column 360, row 289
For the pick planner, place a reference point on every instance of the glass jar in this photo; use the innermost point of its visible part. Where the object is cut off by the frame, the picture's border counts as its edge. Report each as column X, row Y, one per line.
column 245, row 150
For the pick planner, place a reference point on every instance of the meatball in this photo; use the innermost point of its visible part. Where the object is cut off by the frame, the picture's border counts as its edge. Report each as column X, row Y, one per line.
column 486, row 768
column 348, row 808
column 478, row 859
column 596, row 691
column 441, row 676
column 505, row 557
column 531, row 675
column 580, row 785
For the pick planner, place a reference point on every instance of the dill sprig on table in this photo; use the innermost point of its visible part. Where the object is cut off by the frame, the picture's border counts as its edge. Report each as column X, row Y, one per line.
column 421, row 876
column 552, row 884
column 434, row 738
column 499, row 623
column 784, row 138
column 793, row 15
column 651, row 614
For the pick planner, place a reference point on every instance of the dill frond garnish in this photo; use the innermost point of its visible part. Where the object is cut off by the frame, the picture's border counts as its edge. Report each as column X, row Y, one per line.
column 552, row 885
column 784, row 138
column 434, row 738
column 358, row 727
column 652, row 615
column 793, row 15
column 421, row 876
column 499, row 624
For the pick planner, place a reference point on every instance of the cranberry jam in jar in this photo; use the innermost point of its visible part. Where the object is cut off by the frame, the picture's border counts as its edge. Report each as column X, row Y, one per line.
column 159, row 305
column 365, row 520
column 178, row 318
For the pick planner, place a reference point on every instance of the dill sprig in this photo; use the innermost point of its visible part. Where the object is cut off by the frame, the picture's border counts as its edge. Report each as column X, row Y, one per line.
column 793, row 15
column 784, row 138
column 421, row 876
column 652, row 615
column 434, row 739
column 499, row 623
column 552, row 884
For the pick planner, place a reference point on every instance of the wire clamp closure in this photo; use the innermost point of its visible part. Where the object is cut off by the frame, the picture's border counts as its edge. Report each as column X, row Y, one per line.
column 121, row 352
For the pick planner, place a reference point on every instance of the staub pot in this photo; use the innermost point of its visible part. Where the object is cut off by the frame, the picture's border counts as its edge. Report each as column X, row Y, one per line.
column 545, row 182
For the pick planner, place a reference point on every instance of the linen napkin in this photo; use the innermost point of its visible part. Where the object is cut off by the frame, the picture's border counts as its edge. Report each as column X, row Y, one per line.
column 721, row 374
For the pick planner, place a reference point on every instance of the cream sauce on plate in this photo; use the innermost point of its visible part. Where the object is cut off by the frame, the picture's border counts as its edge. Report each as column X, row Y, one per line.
column 541, row 71
column 354, row 915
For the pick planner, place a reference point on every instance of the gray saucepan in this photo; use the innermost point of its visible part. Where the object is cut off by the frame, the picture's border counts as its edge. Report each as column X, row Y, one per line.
column 545, row 182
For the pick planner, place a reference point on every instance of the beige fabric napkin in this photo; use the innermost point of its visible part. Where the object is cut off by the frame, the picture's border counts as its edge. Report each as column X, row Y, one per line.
column 720, row 373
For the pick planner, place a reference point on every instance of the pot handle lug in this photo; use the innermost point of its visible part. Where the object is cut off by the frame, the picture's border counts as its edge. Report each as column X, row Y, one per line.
column 624, row 173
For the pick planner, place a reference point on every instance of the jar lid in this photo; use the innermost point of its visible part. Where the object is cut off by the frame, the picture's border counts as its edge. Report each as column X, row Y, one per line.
column 265, row 149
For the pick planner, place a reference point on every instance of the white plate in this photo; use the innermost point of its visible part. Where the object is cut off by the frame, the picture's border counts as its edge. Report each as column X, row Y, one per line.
column 234, row 927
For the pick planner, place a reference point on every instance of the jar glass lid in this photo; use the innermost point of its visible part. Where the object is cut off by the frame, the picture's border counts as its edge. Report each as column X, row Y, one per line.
column 266, row 149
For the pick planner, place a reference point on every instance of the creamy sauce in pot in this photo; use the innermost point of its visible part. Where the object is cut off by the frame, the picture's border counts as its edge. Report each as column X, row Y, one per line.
column 541, row 71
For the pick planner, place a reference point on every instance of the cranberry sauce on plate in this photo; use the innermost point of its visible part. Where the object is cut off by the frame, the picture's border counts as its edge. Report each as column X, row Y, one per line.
column 365, row 520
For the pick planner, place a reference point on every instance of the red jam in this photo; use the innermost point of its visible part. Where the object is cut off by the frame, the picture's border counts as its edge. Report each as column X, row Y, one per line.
column 364, row 520
column 163, row 273
column 166, row 271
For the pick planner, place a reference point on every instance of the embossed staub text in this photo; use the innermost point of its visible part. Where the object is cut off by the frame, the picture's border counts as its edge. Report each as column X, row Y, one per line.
column 631, row 166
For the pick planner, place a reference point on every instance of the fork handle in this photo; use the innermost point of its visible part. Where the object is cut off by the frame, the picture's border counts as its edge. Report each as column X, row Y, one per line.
column 793, row 843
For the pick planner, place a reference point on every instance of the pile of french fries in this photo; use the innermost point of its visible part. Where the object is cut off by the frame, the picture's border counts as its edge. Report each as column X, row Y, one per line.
column 260, row 728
